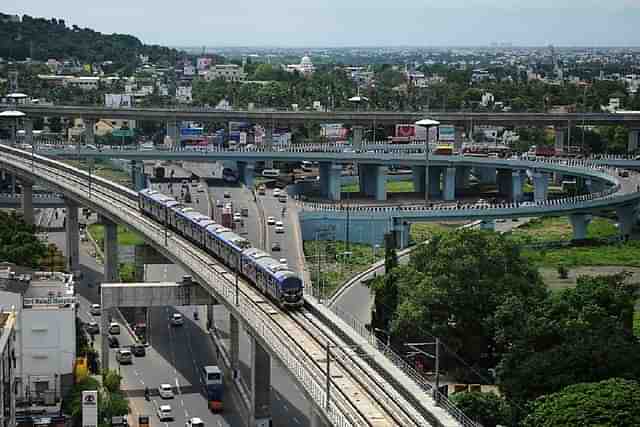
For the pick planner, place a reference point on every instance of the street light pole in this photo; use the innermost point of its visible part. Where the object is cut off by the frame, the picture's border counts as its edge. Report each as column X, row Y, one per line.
column 427, row 124
column 415, row 347
column 237, row 271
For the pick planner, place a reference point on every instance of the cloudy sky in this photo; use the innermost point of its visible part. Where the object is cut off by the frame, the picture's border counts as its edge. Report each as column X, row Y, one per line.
column 352, row 22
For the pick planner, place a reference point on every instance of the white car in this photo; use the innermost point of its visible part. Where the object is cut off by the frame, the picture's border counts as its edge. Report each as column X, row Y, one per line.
column 237, row 217
column 114, row 328
column 165, row 413
column 165, row 391
column 95, row 309
column 279, row 227
column 271, row 220
column 283, row 261
column 177, row 319
column 276, row 192
column 194, row 422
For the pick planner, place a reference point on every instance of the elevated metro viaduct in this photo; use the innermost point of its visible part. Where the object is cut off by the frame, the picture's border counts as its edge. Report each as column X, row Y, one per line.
column 115, row 204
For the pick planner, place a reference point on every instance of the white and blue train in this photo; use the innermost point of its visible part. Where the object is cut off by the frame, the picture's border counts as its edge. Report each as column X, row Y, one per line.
column 268, row 275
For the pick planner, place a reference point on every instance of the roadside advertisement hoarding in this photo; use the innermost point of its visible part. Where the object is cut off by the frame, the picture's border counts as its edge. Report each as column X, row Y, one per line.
column 122, row 133
column 447, row 133
column 89, row 408
column 192, row 131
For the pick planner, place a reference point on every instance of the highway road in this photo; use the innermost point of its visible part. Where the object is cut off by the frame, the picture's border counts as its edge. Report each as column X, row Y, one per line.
column 288, row 405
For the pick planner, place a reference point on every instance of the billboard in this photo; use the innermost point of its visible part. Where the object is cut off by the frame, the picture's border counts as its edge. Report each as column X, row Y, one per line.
column 411, row 132
column 239, row 126
column 122, row 133
column 89, row 408
column 447, row 133
column 191, row 131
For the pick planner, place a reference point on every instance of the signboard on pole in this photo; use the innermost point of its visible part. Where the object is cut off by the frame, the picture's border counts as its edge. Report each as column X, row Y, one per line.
column 120, row 133
column 89, row 408
column 447, row 133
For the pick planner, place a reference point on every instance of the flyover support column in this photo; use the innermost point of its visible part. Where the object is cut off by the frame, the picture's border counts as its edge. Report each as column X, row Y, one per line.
column 324, row 168
column 27, row 201
column 234, row 337
column 516, row 186
column 449, row 186
column 357, row 137
column 401, row 230
column 334, row 185
column 28, row 131
column 626, row 220
column 267, row 143
column 260, row 386
column 435, row 174
column 373, row 180
column 174, row 134
column 137, row 175
column 633, row 140
column 462, row 177
column 540, row 186
column 486, row 175
column 559, row 143
column 458, row 139
column 89, row 131
column 72, row 235
column 579, row 222
column 504, row 182
column 246, row 171
column 110, row 251
column 418, row 178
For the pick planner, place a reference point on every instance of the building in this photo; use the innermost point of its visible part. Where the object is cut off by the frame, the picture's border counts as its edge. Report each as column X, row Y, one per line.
column 487, row 99
column 228, row 72
column 203, row 63
column 184, row 94
column 305, row 67
column 7, row 367
column 45, row 344
column 118, row 100
column 84, row 83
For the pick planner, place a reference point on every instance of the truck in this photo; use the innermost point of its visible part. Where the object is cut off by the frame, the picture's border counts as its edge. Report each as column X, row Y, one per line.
column 213, row 386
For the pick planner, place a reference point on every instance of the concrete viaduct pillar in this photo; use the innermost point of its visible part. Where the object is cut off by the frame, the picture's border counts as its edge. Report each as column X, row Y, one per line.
column 540, row 186
column 110, row 251
column 27, row 201
column 516, row 186
column 633, row 140
column 449, row 184
column 579, row 222
column 72, row 235
column 418, row 178
column 435, row 174
column 486, row 175
column 234, row 337
column 559, row 143
column 504, row 182
column 260, row 386
column 357, row 136
column 247, row 174
column 173, row 132
column 330, row 185
column 401, row 230
column 138, row 177
column 458, row 139
column 462, row 177
column 267, row 143
column 626, row 220
column 28, row 131
column 373, row 181
column 89, row 131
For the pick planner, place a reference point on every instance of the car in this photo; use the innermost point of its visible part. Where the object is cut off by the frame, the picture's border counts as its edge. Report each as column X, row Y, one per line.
column 138, row 350
column 279, row 227
column 165, row 391
column 176, row 319
column 194, row 422
column 227, row 195
column 271, row 220
column 93, row 328
column 262, row 190
column 124, row 356
column 113, row 341
column 237, row 217
column 114, row 328
column 95, row 309
column 282, row 260
column 244, row 212
column 275, row 247
column 219, row 203
column 282, row 198
column 501, row 220
column 276, row 192
column 165, row 413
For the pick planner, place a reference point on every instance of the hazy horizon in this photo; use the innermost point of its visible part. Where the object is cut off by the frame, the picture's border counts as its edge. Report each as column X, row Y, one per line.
column 358, row 23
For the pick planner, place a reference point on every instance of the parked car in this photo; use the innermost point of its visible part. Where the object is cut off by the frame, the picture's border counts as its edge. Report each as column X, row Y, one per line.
column 138, row 350
column 227, row 195
column 279, row 227
column 271, row 220
column 114, row 328
column 93, row 328
column 275, row 247
column 113, row 341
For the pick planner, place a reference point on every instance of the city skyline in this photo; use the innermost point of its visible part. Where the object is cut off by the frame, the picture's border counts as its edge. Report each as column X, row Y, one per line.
column 284, row 23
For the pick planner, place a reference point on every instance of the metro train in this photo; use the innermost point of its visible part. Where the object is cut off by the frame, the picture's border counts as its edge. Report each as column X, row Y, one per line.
column 268, row 275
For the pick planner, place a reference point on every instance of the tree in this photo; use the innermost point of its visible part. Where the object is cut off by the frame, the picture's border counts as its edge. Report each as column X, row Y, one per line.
column 487, row 409
column 19, row 243
column 112, row 381
column 613, row 402
column 578, row 335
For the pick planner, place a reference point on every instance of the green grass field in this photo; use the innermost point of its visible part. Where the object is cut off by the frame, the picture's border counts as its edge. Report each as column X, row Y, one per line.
column 422, row 231
column 125, row 236
column 555, row 229
column 392, row 187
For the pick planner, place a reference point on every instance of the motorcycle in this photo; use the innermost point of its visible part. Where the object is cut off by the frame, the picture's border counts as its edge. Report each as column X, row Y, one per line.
column 195, row 315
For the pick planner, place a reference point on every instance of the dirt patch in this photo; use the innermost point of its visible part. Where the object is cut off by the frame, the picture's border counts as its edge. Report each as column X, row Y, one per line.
column 554, row 282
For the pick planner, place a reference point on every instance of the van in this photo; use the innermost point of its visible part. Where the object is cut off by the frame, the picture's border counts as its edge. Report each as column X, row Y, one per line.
column 271, row 173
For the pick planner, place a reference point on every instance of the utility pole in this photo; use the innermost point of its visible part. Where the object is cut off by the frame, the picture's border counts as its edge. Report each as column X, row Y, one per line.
column 416, row 348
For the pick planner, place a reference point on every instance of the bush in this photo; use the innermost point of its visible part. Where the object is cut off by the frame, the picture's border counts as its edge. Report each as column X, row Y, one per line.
column 563, row 272
column 486, row 408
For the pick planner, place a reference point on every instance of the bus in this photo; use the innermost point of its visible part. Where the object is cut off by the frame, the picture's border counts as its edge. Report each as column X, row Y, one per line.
column 213, row 386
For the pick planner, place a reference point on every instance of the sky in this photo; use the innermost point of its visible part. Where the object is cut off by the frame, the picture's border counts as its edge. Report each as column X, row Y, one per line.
column 320, row 23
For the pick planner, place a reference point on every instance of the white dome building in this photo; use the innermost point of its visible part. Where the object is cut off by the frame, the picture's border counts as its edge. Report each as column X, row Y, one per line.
column 305, row 67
